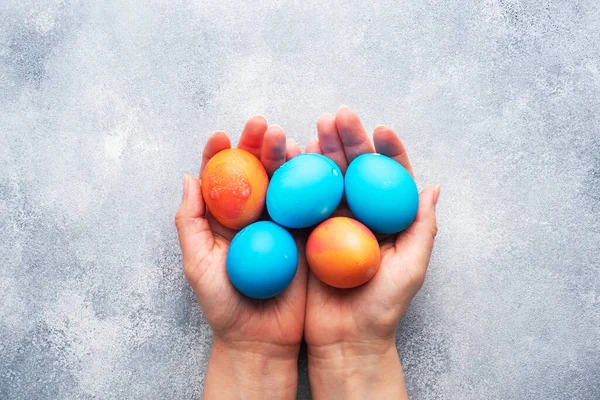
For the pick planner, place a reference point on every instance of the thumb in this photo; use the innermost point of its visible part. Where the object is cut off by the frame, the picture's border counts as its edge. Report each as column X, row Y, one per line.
column 195, row 236
column 416, row 243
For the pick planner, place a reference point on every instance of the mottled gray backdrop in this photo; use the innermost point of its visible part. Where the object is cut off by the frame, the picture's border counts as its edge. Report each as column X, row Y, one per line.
column 104, row 107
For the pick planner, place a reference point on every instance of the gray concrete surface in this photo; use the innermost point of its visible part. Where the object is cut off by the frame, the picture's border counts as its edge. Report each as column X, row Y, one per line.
column 103, row 108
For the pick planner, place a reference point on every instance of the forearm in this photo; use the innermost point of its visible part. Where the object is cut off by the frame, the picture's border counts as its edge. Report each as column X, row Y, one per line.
column 250, row 373
column 356, row 371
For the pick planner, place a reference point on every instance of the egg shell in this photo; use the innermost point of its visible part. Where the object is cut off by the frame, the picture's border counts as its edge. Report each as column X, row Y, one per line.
column 262, row 260
column 234, row 186
column 381, row 193
column 343, row 253
column 304, row 191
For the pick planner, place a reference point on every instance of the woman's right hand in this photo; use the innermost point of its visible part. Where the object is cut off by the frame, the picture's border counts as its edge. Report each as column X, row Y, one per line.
column 350, row 333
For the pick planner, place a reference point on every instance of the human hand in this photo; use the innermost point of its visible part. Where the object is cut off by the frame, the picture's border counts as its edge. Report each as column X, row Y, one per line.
column 255, row 342
column 351, row 333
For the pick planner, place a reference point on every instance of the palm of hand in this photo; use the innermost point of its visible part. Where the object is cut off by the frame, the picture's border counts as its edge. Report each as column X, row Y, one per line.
column 205, row 242
column 368, row 312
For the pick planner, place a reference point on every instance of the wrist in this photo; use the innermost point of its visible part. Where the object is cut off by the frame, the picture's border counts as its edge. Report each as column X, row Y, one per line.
column 251, row 370
column 356, row 370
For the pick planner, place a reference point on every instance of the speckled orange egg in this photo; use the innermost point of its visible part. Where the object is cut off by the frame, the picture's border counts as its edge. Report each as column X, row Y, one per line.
column 342, row 252
column 234, row 185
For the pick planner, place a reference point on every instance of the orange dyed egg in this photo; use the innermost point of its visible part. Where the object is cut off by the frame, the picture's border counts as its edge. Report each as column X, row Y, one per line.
column 342, row 252
column 234, row 185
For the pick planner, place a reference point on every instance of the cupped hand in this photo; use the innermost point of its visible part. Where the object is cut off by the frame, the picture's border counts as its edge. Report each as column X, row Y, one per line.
column 272, row 326
column 351, row 324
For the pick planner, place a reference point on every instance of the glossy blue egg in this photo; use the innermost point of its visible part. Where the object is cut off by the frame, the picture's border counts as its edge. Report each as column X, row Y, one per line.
column 262, row 260
column 381, row 193
column 304, row 191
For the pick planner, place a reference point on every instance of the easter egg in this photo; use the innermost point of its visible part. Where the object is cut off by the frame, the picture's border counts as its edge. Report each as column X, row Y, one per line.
column 304, row 191
column 381, row 193
column 262, row 260
column 342, row 252
column 234, row 185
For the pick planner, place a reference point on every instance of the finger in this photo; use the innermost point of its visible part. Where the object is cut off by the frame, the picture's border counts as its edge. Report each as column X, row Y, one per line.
column 291, row 149
column 416, row 243
column 313, row 147
column 353, row 135
column 253, row 135
column 195, row 237
column 389, row 144
column 273, row 149
column 217, row 142
column 330, row 141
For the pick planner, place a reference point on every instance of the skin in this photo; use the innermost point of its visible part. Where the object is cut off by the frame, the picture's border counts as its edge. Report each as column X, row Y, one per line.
column 255, row 342
column 350, row 334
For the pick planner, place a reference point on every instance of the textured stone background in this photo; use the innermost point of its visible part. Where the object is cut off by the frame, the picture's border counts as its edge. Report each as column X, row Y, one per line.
column 104, row 107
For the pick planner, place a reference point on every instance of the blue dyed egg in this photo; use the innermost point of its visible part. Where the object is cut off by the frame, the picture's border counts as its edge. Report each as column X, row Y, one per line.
column 304, row 191
column 262, row 260
column 381, row 193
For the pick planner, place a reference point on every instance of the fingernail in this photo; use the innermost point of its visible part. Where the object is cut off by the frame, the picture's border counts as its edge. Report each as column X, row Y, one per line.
column 343, row 106
column 186, row 185
column 436, row 194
